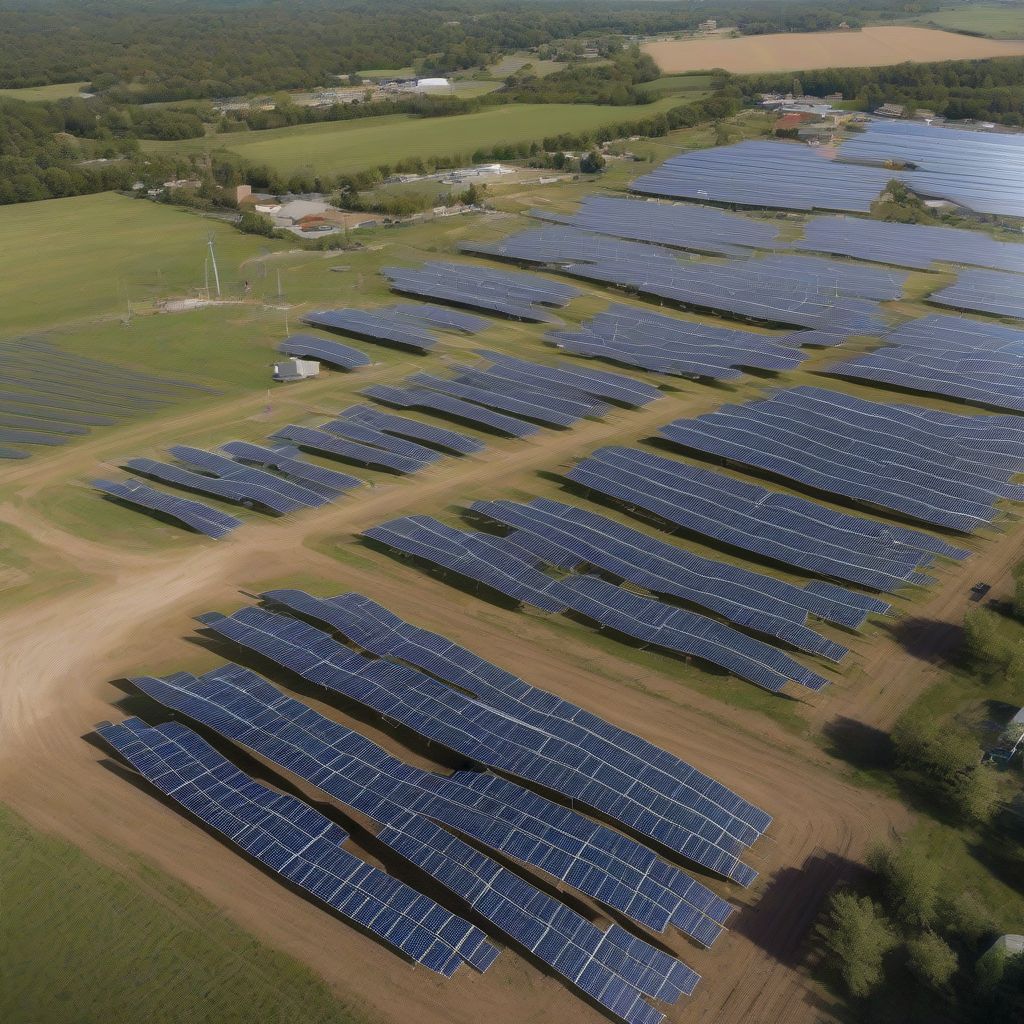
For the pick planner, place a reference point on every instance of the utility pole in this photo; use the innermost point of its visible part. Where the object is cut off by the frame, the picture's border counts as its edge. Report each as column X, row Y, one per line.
column 213, row 260
column 279, row 282
column 206, row 277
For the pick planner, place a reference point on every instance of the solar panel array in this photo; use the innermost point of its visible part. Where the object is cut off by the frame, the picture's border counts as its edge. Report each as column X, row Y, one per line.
column 285, row 461
column 381, row 632
column 299, row 844
column 784, row 528
column 697, row 228
column 984, row 291
column 945, row 355
column 612, row 966
column 746, row 598
column 237, row 491
column 512, row 294
column 945, row 469
column 980, row 170
column 193, row 514
column 327, row 351
column 617, row 870
column 771, row 174
column 325, row 442
column 48, row 396
column 798, row 290
column 403, row 427
column 629, row 336
column 501, row 565
column 908, row 245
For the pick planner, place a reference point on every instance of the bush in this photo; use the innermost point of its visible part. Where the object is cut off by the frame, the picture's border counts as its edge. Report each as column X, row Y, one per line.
column 931, row 960
column 253, row 223
column 910, row 883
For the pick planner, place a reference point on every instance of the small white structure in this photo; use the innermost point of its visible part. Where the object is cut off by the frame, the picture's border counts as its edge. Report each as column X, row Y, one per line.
column 296, row 369
column 429, row 84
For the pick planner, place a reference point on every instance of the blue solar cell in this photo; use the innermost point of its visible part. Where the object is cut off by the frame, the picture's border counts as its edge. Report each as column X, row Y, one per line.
column 327, row 351
column 447, row 405
column 285, row 461
column 324, row 443
column 402, row 426
column 193, row 514
column 299, row 844
column 984, row 291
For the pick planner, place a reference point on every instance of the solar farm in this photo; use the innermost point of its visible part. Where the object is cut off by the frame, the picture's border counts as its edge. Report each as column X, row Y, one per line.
column 490, row 672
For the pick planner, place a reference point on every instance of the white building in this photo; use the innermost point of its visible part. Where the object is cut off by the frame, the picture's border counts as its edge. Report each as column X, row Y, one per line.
column 296, row 369
column 432, row 84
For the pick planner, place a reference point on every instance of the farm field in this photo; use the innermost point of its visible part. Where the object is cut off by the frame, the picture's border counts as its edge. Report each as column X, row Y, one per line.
column 342, row 146
column 81, row 934
column 97, row 592
column 1000, row 21
column 38, row 93
column 876, row 46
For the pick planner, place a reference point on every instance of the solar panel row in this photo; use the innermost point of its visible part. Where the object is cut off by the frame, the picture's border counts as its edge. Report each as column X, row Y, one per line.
column 327, row 351
column 403, row 426
column 797, row 290
column 192, row 514
column 285, row 461
column 325, row 442
column 984, row 291
column 248, row 710
column 599, row 862
column 784, row 528
column 299, row 844
column 515, row 295
column 945, row 469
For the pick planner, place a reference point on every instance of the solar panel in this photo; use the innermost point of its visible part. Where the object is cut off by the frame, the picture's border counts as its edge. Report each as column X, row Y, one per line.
column 379, row 631
column 402, row 426
column 318, row 478
column 787, row 529
column 455, row 408
column 324, row 443
column 373, row 327
column 299, row 844
column 798, row 290
column 248, row 710
column 984, row 291
column 683, row 226
column 768, row 174
column 617, row 870
column 475, row 556
column 327, row 351
column 227, row 469
column 943, row 469
column 366, row 434
column 238, row 491
column 193, row 514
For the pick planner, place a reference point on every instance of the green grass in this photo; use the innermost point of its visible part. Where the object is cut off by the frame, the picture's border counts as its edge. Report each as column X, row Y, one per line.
column 1001, row 21
column 345, row 146
column 514, row 62
column 65, row 259
column 84, row 943
column 388, row 73
column 690, row 86
column 38, row 93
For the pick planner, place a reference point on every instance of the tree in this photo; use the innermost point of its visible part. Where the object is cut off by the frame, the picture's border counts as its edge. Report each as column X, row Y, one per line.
column 592, row 162
column 859, row 936
column 931, row 960
column 910, row 882
column 977, row 794
column 966, row 917
column 253, row 223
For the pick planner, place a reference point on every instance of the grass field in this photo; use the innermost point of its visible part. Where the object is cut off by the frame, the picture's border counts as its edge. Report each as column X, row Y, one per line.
column 690, row 87
column 80, row 942
column 1000, row 21
column 876, row 46
column 91, row 254
column 36, row 93
column 343, row 146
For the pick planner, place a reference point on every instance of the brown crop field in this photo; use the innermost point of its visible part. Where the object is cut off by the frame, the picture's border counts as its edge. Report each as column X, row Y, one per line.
column 801, row 51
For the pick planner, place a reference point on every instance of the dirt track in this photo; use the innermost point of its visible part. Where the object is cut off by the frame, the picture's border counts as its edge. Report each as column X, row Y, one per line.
column 58, row 656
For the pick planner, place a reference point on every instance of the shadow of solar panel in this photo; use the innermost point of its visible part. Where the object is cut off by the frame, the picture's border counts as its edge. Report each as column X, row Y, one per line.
column 248, row 710
column 784, row 528
column 612, row 868
column 193, row 514
column 299, row 844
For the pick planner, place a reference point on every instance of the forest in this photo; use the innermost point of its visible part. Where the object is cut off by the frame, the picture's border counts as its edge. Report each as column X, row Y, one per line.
column 160, row 50
column 987, row 90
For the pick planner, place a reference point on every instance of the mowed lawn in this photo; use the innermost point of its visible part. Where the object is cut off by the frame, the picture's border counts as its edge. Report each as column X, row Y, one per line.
column 44, row 92
column 876, row 46
column 84, row 943
column 1001, row 21
column 343, row 146
column 64, row 259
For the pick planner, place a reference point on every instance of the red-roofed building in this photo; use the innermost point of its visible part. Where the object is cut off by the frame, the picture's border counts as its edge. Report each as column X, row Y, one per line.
column 790, row 122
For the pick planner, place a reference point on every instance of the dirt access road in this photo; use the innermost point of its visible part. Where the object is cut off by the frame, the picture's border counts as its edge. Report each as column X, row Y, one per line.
column 59, row 655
